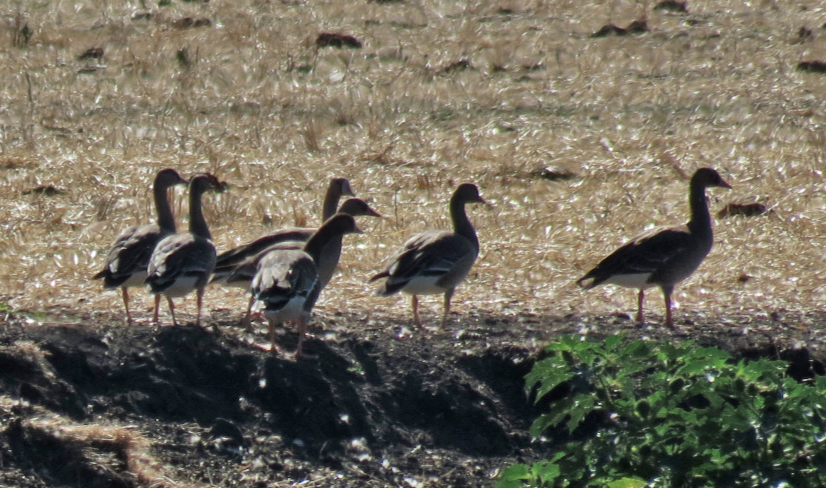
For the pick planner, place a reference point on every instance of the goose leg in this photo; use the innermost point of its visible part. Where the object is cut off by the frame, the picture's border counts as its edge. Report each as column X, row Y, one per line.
column 669, row 320
column 172, row 310
column 415, row 303
column 302, row 329
column 199, row 297
column 448, row 296
column 126, row 304
column 247, row 320
column 271, row 325
column 640, row 315
column 156, row 308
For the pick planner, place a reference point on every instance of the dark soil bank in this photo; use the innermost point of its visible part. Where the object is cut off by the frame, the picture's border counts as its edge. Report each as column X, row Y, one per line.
column 105, row 405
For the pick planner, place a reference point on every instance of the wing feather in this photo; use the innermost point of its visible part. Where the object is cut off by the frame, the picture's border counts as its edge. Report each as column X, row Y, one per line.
column 646, row 253
column 129, row 254
column 283, row 275
column 180, row 255
column 430, row 254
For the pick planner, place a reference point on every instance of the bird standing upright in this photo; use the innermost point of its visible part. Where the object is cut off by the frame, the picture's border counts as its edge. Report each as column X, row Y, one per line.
column 434, row 262
column 129, row 254
column 227, row 260
column 184, row 262
column 234, row 271
column 663, row 256
column 286, row 284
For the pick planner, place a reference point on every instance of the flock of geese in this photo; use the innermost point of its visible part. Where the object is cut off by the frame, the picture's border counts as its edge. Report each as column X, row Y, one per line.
column 286, row 271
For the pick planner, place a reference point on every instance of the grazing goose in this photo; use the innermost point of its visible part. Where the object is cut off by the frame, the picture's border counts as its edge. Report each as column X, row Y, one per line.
column 663, row 256
column 435, row 261
column 128, row 256
column 286, row 283
column 229, row 261
column 184, row 262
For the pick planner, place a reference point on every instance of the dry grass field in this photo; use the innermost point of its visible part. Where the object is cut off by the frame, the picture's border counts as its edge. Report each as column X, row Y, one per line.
column 442, row 92
column 250, row 98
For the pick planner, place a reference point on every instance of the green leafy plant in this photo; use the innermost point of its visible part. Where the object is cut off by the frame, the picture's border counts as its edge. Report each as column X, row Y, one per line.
column 634, row 414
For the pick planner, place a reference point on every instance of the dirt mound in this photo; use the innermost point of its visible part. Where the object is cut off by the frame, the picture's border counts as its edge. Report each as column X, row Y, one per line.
column 108, row 405
column 373, row 412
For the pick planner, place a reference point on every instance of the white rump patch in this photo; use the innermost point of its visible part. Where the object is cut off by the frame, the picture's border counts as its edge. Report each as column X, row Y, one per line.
column 293, row 310
column 423, row 285
column 183, row 285
column 637, row 280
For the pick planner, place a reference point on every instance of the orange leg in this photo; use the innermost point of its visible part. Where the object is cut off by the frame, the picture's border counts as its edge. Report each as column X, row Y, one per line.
column 172, row 310
column 126, row 305
column 155, row 310
column 271, row 324
column 247, row 321
column 302, row 329
column 640, row 315
column 448, row 296
column 415, row 303
column 669, row 319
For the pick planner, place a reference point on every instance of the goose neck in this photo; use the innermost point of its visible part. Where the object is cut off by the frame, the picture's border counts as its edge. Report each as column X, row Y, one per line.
column 461, row 223
column 197, row 222
column 166, row 221
column 319, row 240
column 330, row 206
column 700, row 218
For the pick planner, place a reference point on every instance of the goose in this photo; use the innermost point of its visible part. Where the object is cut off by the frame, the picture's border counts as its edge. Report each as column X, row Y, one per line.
column 435, row 262
column 663, row 256
column 240, row 274
column 230, row 260
column 128, row 256
column 286, row 283
column 184, row 262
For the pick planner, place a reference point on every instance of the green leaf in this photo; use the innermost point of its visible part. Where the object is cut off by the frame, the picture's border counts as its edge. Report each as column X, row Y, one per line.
column 675, row 405
column 697, row 367
column 636, row 349
column 582, row 405
column 736, row 418
column 628, row 483
column 611, row 342
column 551, row 381
column 513, row 476
column 545, row 471
column 546, row 421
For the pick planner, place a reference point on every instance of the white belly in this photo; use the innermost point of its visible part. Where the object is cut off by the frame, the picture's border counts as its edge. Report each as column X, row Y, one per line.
column 182, row 286
column 293, row 310
column 423, row 285
column 638, row 281
column 137, row 279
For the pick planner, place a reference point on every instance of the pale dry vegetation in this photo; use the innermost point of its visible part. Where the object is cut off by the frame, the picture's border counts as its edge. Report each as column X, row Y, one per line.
column 251, row 99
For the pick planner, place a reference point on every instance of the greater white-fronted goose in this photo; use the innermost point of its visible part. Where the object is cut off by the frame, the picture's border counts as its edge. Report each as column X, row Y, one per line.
column 435, row 261
column 241, row 274
column 663, row 256
column 286, row 283
column 228, row 260
column 226, row 268
column 184, row 262
column 128, row 257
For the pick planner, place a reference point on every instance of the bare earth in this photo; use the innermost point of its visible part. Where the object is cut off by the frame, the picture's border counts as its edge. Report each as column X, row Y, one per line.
column 376, row 406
